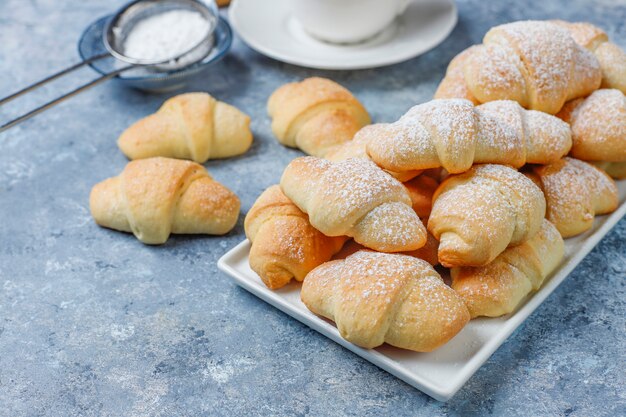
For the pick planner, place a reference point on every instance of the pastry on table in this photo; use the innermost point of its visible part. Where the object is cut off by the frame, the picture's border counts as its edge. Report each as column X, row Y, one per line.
column 454, row 134
column 498, row 287
column 354, row 198
column 315, row 115
column 191, row 126
column 157, row 196
column 575, row 193
column 284, row 244
column 536, row 63
column 598, row 125
column 611, row 57
column 377, row 298
column 478, row 214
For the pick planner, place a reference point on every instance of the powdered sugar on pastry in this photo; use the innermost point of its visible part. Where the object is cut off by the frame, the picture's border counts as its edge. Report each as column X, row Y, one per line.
column 497, row 288
column 453, row 134
column 476, row 215
column 355, row 198
column 535, row 63
column 494, row 72
column 598, row 126
column 376, row 298
column 546, row 52
column 575, row 192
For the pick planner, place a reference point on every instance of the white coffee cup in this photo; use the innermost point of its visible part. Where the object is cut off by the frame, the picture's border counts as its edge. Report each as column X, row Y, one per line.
column 347, row 21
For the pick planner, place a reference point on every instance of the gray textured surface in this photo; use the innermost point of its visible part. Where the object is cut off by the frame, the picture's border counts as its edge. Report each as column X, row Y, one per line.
column 92, row 322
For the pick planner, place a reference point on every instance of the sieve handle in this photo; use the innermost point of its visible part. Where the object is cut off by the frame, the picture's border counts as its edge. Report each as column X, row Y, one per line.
column 61, row 98
column 52, row 78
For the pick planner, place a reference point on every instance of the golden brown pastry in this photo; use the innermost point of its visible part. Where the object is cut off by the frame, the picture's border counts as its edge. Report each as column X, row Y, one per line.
column 598, row 125
column 377, row 298
column 536, row 63
column 357, row 148
column 428, row 252
column 454, row 134
column 157, row 196
column 611, row 57
column 575, row 193
column 421, row 190
column 354, row 198
column 284, row 244
column 189, row 126
column 315, row 115
column 478, row 214
column 498, row 287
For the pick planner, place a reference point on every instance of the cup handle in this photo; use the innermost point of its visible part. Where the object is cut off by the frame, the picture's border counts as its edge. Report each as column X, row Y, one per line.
column 402, row 6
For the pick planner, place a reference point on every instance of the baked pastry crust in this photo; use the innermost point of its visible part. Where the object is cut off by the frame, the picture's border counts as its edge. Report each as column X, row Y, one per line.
column 611, row 57
column 315, row 115
column 575, row 193
column 598, row 125
column 377, row 298
column 454, row 134
column 157, row 196
column 284, row 244
column 498, row 287
column 354, row 198
column 535, row 63
column 478, row 214
column 191, row 126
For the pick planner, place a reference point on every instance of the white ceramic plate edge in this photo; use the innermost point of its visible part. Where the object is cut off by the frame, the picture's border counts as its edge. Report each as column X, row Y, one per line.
column 441, row 393
column 248, row 39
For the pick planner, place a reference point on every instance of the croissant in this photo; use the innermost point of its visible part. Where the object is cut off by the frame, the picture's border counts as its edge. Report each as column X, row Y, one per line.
column 284, row 244
column 536, row 63
column 189, row 126
column 575, row 192
column 421, row 190
column 315, row 115
column 497, row 288
column 377, row 298
column 354, row 198
column 357, row 148
column 157, row 196
column 454, row 134
column 478, row 214
column 611, row 57
column 598, row 125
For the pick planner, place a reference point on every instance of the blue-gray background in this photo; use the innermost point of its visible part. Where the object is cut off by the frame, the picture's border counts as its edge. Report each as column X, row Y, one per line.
column 92, row 322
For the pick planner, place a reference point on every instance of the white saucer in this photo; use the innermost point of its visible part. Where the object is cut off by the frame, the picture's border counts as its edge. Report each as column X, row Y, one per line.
column 271, row 29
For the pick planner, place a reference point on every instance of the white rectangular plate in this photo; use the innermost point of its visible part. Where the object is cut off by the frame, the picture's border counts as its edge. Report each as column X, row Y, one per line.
column 443, row 372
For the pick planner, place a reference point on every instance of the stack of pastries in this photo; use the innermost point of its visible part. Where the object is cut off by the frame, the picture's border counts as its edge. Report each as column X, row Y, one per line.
column 485, row 181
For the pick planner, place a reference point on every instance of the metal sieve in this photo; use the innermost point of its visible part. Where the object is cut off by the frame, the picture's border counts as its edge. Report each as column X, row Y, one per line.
column 122, row 23
column 115, row 33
